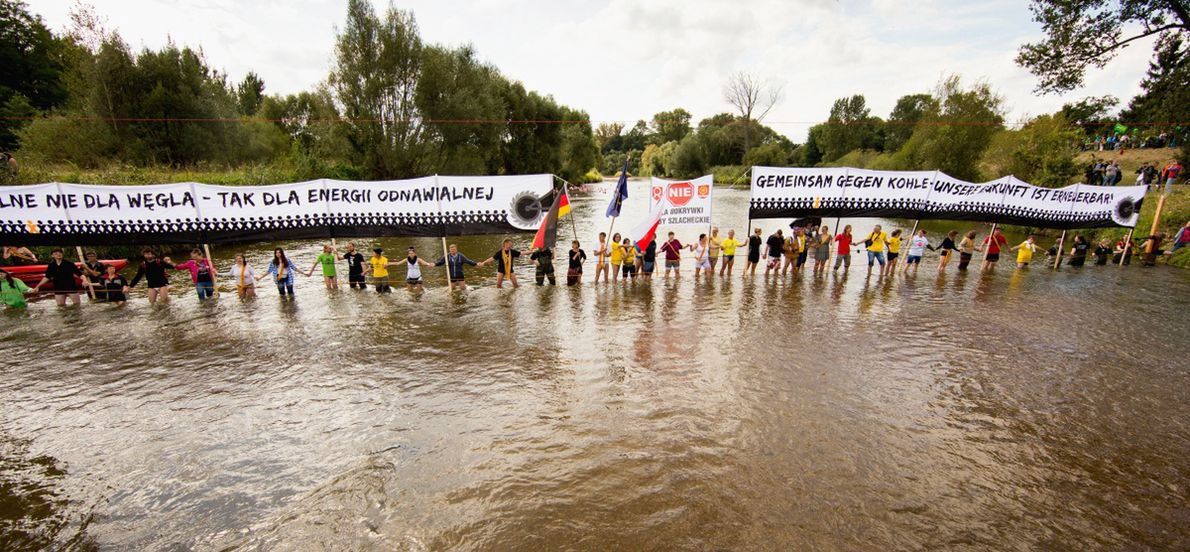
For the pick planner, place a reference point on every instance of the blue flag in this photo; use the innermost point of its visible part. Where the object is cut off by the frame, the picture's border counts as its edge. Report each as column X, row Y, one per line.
column 613, row 208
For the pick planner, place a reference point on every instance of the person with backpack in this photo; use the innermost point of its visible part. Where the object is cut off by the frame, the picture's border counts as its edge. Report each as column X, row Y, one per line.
column 875, row 243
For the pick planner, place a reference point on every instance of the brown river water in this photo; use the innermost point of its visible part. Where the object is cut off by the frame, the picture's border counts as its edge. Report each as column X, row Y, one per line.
column 1022, row 410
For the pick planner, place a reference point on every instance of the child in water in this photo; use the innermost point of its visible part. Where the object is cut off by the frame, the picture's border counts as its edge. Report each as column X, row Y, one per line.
column 114, row 286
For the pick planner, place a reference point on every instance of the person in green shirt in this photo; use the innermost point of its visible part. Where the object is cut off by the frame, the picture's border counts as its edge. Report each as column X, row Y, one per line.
column 12, row 291
column 327, row 260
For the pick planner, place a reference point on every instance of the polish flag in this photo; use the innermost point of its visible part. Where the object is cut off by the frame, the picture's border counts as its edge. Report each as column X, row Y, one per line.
column 646, row 230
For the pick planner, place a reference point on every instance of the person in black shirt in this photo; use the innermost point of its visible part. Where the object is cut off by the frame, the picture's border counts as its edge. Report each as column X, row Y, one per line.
column 776, row 247
column 574, row 273
column 115, row 287
column 648, row 260
column 754, row 243
column 505, row 258
column 153, row 270
column 93, row 272
column 62, row 274
column 544, row 258
column 355, row 267
column 1102, row 252
column 1078, row 253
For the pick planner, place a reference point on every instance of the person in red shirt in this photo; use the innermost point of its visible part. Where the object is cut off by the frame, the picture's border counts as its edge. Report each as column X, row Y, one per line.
column 1170, row 174
column 844, row 250
column 993, row 243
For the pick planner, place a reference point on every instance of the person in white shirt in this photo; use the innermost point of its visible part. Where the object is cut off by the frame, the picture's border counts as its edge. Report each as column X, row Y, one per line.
column 917, row 248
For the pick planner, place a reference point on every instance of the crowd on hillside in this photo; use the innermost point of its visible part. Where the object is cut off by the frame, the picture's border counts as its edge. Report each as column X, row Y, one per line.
column 1121, row 142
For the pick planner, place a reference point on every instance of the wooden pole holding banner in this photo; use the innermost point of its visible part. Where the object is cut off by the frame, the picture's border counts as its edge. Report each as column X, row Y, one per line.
column 1157, row 214
column 1061, row 246
column 991, row 239
column 211, row 265
column 86, row 279
column 1127, row 250
column 446, row 257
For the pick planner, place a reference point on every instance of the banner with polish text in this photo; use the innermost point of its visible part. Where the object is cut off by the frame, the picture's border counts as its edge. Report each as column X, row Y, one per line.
column 77, row 214
column 846, row 192
column 688, row 202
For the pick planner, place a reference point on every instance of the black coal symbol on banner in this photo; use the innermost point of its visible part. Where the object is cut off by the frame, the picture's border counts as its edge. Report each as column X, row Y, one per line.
column 1126, row 208
column 527, row 210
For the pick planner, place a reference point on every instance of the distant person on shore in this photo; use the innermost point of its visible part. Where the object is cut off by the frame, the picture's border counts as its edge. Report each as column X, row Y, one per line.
column 966, row 250
column 822, row 251
column 115, row 287
column 242, row 276
column 355, row 267
column 601, row 253
column 62, row 274
column 454, row 262
column 1078, row 251
column 574, row 264
column 505, row 260
column 282, row 272
column 1170, row 174
column 894, row 252
column 327, row 260
column 413, row 265
column 754, row 245
column 776, row 247
column 628, row 257
column 543, row 261
column 917, row 250
column 993, row 243
column 1025, row 251
column 673, row 254
column 715, row 244
column 946, row 250
column 729, row 247
column 616, row 256
column 153, row 270
column 843, row 241
column 875, row 243
column 1181, row 239
column 1102, row 252
column 17, row 255
column 702, row 257
column 1151, row 248
column 12, row 291
column 201, row 274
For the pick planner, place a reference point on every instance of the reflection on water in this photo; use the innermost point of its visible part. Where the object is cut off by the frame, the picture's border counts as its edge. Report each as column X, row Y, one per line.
column 1038, row 410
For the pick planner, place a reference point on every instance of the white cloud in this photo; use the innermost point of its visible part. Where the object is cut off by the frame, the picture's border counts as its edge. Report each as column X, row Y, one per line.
column 623, row 60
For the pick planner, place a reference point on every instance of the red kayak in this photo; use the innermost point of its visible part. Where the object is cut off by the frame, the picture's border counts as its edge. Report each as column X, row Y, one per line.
column 31, row 274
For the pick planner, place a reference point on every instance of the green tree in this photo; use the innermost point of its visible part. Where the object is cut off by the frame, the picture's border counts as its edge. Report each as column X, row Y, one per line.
column 687, row 159
column 1080, row 34
column 670, row 126
column 954, row 136
column 32, row 62
column 904, row 117
column 849, row 127
column 608, row 137
column 1041, row 152
column 1090, row 113
column 250, row 93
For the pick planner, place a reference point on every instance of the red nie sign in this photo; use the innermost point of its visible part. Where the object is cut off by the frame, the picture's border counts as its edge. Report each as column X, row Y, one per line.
column 680, row 193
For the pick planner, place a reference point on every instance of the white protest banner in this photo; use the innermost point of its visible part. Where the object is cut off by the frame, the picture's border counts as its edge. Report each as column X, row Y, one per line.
column 845, row 192
column 78, row 214
column 688, row 201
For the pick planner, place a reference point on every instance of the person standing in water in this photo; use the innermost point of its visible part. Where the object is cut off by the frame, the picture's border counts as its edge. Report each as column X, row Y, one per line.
column 648, row 260
column 153, row 270
column 355, row 267
column 93, row 272
column 574, row 265
column 754, row 245
column 327, row 260
column 822, row 251
column 62, row 273
column 894, row 252
column 994, row 242
column 875, row 241
column 455, row 262
column 1102, row 252
column 615, row 256
column 946, row 250
column 201, row 274
column 543, row 259
column 966, row 250
column 1025, row 251
column 12, row 291
column 115, row 287
column 628, row 254
column 413, row 266
column 378, row 268
column 601, row 254
column 282, row 272
column 1078, row 252
column 673, row 254
column 729, row 247
column 843, row 243
column 776, row 248
column 917, row 249
column 715, row 245
column 505, row 260
column 242, row 275
column 702, row 257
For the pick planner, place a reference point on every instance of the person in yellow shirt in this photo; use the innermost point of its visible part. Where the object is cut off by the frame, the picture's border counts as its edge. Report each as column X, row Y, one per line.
column 875, row 242
column 616, row 256
column 628, row 257
column 378, row 266
column 729, row 246
column 1025, row 251
column 715, row 245
column 894, row 251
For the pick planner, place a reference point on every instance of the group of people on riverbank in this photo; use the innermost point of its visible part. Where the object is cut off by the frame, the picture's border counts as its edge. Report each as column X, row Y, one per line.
column 617, row 259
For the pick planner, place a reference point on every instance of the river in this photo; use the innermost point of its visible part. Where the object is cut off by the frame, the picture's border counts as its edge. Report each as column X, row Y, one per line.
column 1023, row 410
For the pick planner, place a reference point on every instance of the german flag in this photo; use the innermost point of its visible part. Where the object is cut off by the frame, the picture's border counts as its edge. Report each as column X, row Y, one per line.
column 547, row 234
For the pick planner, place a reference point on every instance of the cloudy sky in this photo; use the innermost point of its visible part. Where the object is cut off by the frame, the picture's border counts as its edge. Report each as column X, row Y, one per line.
column 623, row 60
